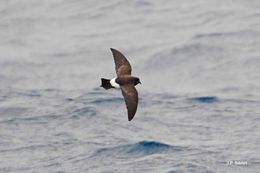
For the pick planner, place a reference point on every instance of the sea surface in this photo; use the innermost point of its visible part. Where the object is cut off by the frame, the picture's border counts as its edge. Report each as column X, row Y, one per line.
column 199, row 102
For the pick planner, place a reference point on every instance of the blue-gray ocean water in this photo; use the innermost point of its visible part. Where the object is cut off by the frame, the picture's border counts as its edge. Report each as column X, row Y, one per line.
column 199, row 64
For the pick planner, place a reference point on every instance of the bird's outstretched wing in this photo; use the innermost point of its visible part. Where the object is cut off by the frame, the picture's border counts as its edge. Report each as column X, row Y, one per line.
column 123, row 67
column 131, row 99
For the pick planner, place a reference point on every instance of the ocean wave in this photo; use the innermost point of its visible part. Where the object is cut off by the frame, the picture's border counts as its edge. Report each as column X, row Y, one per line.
column 106, row 100
column 141, row 148
column 205, row 99
column 173, row 57
column 84, row 111
column 241, row 33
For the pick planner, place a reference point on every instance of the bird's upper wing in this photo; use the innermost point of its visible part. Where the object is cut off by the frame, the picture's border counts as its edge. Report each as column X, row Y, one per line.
column 131, row 99
column 123, row 67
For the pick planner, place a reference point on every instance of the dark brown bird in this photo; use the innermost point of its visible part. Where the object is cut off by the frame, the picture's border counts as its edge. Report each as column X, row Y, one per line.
column 125, row 81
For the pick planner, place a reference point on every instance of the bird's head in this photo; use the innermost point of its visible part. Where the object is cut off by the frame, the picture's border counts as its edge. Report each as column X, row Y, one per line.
column 137, row 81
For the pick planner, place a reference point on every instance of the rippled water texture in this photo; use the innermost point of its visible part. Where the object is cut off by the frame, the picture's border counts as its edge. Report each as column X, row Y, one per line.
column 199, row 64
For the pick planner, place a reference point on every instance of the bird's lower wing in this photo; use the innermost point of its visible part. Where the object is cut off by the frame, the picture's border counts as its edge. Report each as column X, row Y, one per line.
column 131, row 99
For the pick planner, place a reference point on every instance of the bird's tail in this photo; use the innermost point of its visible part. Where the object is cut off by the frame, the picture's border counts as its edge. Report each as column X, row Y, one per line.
column 105, row 83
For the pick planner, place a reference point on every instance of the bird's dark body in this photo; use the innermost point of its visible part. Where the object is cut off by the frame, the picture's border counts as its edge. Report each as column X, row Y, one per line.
column 122, row 80
column 126, row 80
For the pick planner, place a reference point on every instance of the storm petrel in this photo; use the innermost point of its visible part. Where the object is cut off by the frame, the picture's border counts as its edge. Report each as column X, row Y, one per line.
column 124, row 81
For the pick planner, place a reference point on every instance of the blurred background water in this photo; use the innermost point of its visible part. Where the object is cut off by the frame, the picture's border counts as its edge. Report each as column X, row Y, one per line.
column 199, row 63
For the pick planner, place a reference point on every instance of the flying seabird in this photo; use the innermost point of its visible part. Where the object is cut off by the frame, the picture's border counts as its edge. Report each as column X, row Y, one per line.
column 124, row 81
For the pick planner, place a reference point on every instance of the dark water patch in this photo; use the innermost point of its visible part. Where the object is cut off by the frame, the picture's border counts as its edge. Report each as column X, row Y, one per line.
column 143, row 3
column 148, row 147
column 141, row 148
column 180, row 171
column 40, row 119
column 107, row 100
column 246, row 33
column 85, row 111
column 34, row 147
column 3, row 98
column 99, row 91
column 96, row 91
column 29, row 93
column 152, row 99
column 216, row 34
column 69, row 99
column 173, row 171
column 205, row 99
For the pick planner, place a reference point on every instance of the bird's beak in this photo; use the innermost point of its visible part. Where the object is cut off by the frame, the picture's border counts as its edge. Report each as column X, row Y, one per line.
column 140, row 82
